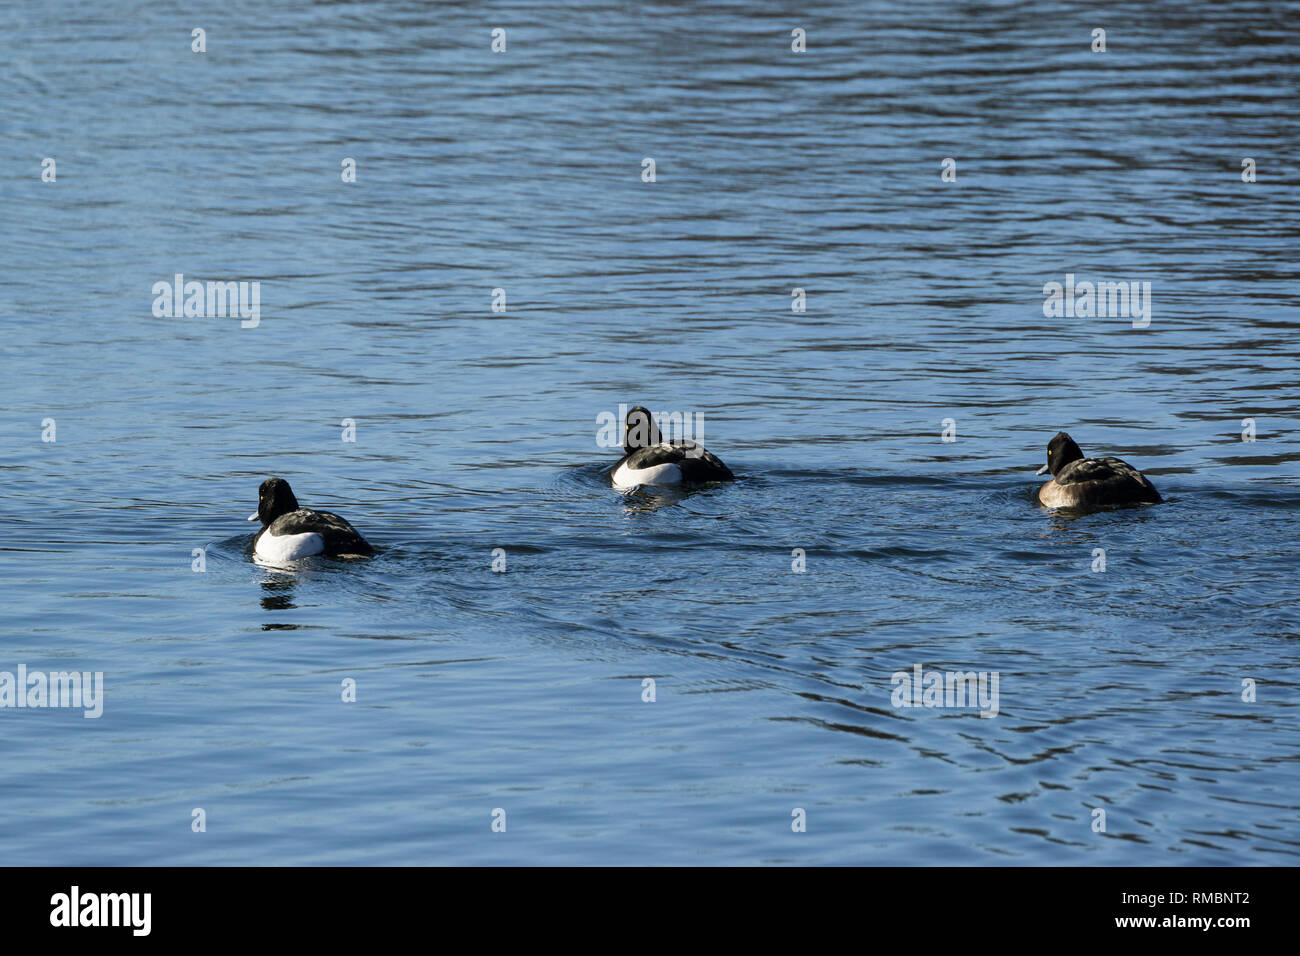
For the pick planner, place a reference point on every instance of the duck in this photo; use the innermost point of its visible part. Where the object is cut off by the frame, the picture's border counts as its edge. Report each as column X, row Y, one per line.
column 652, row 461
column 290, row 532
column 1080, row 482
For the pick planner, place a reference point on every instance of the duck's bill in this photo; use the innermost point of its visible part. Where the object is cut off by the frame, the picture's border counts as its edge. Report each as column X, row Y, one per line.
column 1040, row 471
column 253, row 516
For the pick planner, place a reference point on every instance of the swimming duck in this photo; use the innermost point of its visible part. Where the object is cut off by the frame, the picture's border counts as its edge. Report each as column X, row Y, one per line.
column 289, row 532
column 1079, row 482
column 652, row 461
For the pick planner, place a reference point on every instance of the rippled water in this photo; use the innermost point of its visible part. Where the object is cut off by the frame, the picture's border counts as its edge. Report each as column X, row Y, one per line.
column 1120, row 690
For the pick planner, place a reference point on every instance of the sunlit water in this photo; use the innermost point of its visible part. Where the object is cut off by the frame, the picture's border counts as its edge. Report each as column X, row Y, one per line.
column 1120, row 689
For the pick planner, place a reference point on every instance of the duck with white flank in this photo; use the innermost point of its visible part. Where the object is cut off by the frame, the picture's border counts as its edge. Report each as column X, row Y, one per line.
column 652, row 461
column 289, row 532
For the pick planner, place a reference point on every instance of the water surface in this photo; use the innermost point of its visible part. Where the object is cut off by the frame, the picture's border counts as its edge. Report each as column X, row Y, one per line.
column 1119, row 689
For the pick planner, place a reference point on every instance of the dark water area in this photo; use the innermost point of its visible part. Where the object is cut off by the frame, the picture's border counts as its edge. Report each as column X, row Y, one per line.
column 1119, row 689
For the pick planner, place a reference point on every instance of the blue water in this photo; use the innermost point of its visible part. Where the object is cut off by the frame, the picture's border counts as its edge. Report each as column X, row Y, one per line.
column 1120, row 689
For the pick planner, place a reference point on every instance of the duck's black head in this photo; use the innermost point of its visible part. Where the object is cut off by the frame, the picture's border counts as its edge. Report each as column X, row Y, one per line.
column 640, row 430
column 1061, row 450
column 274, row 498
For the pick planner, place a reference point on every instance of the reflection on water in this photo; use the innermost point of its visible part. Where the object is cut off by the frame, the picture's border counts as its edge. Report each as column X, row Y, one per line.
column 647, row 499
column 279, row 588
